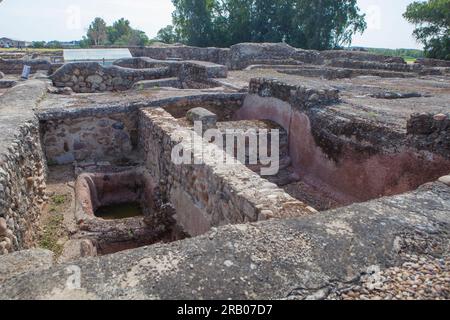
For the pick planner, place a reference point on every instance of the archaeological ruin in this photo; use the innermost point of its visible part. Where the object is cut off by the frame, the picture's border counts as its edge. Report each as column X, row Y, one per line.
column 358, row 208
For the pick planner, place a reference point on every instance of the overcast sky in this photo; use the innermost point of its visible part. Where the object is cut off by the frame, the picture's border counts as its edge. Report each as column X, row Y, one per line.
column 68, row 19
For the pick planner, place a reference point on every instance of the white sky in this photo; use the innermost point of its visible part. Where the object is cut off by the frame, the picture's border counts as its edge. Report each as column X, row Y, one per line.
column 68, row 19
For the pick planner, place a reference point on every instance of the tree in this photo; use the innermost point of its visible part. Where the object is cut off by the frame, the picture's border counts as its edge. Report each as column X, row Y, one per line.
column 119, row 30
column 193, row 21
column 432, row 20
column 168, row 35
column 54, row 45
column 133, row 38
column 38, row 44
column 97, row 32
column 312, row 24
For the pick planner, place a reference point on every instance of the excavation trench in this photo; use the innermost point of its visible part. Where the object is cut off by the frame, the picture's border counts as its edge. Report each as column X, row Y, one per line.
column 119, row 206
column 324, row 181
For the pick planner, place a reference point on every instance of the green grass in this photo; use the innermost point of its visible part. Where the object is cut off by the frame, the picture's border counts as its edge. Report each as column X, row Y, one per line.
column 53, row 227
column 51, row 233
column 409, row 59
column 59, row 199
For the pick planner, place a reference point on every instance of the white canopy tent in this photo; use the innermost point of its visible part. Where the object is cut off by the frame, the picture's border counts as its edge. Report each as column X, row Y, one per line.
column 102, row 56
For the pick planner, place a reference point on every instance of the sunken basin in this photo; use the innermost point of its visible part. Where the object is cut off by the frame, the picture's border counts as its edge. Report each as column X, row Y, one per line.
column 122, row 209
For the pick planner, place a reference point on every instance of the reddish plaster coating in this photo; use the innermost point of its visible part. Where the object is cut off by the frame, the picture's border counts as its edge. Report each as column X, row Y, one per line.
column 355, row 177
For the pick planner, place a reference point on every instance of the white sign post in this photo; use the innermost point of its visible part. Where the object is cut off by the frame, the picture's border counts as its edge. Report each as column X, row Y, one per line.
column 26, row 72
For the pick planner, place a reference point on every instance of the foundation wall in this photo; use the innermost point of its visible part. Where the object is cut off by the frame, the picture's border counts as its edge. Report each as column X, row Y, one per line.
column 22, row 167
column 15, row 66
column 207, row 195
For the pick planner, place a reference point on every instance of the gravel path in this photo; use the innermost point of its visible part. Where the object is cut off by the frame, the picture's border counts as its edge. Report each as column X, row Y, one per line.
column 419, row 278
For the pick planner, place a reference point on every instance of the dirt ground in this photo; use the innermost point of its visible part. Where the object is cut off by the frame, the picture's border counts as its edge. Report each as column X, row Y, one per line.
column 57, row 222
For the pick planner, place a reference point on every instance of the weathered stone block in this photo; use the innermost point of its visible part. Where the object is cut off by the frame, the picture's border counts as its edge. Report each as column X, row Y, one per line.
column 207, row 118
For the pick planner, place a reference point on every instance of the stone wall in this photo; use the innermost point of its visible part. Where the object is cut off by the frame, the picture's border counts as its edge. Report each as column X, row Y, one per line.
column 246, row 54
column 208, row 194
column 301, row 96
column 22, row 167
column 242, row 55
column 433, row 63
column 360, row 56
column 374, row 65
column 355, row 159
column 430, row 132
column 97, row 137
column 214, row 55
column 15, row 66
column 200, row 72
column 92, row 77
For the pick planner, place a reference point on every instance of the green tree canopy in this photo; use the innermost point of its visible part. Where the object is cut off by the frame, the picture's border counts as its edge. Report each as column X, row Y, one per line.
column 97, row 32
column 432, row 20
column 120, row 33
column 314, row 24
column 168, row 35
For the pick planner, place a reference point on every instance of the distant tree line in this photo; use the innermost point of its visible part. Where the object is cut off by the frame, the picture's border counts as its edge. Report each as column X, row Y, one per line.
column 310, row 24
column 120, row 33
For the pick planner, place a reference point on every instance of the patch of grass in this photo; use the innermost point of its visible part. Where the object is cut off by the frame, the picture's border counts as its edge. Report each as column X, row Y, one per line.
column 51, row 233
column 410, row 60
column 59, row 199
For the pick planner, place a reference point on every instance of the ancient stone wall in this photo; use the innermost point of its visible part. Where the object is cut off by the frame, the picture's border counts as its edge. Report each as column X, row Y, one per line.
column 374, row 65
column 209, row 194
column 22, row 167
column 328, row 148
column 214, row 55
column 360, row 56
column 246, row 54
column 242, row 55
column 192, row 72
column 15, row 66
column 433, row 63
column 100, row 136
column 430, row 132
column 92, row 77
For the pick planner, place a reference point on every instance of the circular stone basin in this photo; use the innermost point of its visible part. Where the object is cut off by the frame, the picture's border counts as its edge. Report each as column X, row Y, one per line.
column 117, row 195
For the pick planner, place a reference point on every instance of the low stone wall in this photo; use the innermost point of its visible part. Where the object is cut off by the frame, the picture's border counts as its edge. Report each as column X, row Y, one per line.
column 92, row 77
column 293, row 94
column 375, row 65
column 200, row 72
column 15, row 66
column 208, row 194
column 215, row 55
column 360, row 56
column 144, row 63
column 22, row 167
column 330, row 73
column 433, row 63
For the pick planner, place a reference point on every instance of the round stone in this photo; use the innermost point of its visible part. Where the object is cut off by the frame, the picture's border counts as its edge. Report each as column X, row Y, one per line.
column 3, row 227
column 445, row 180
